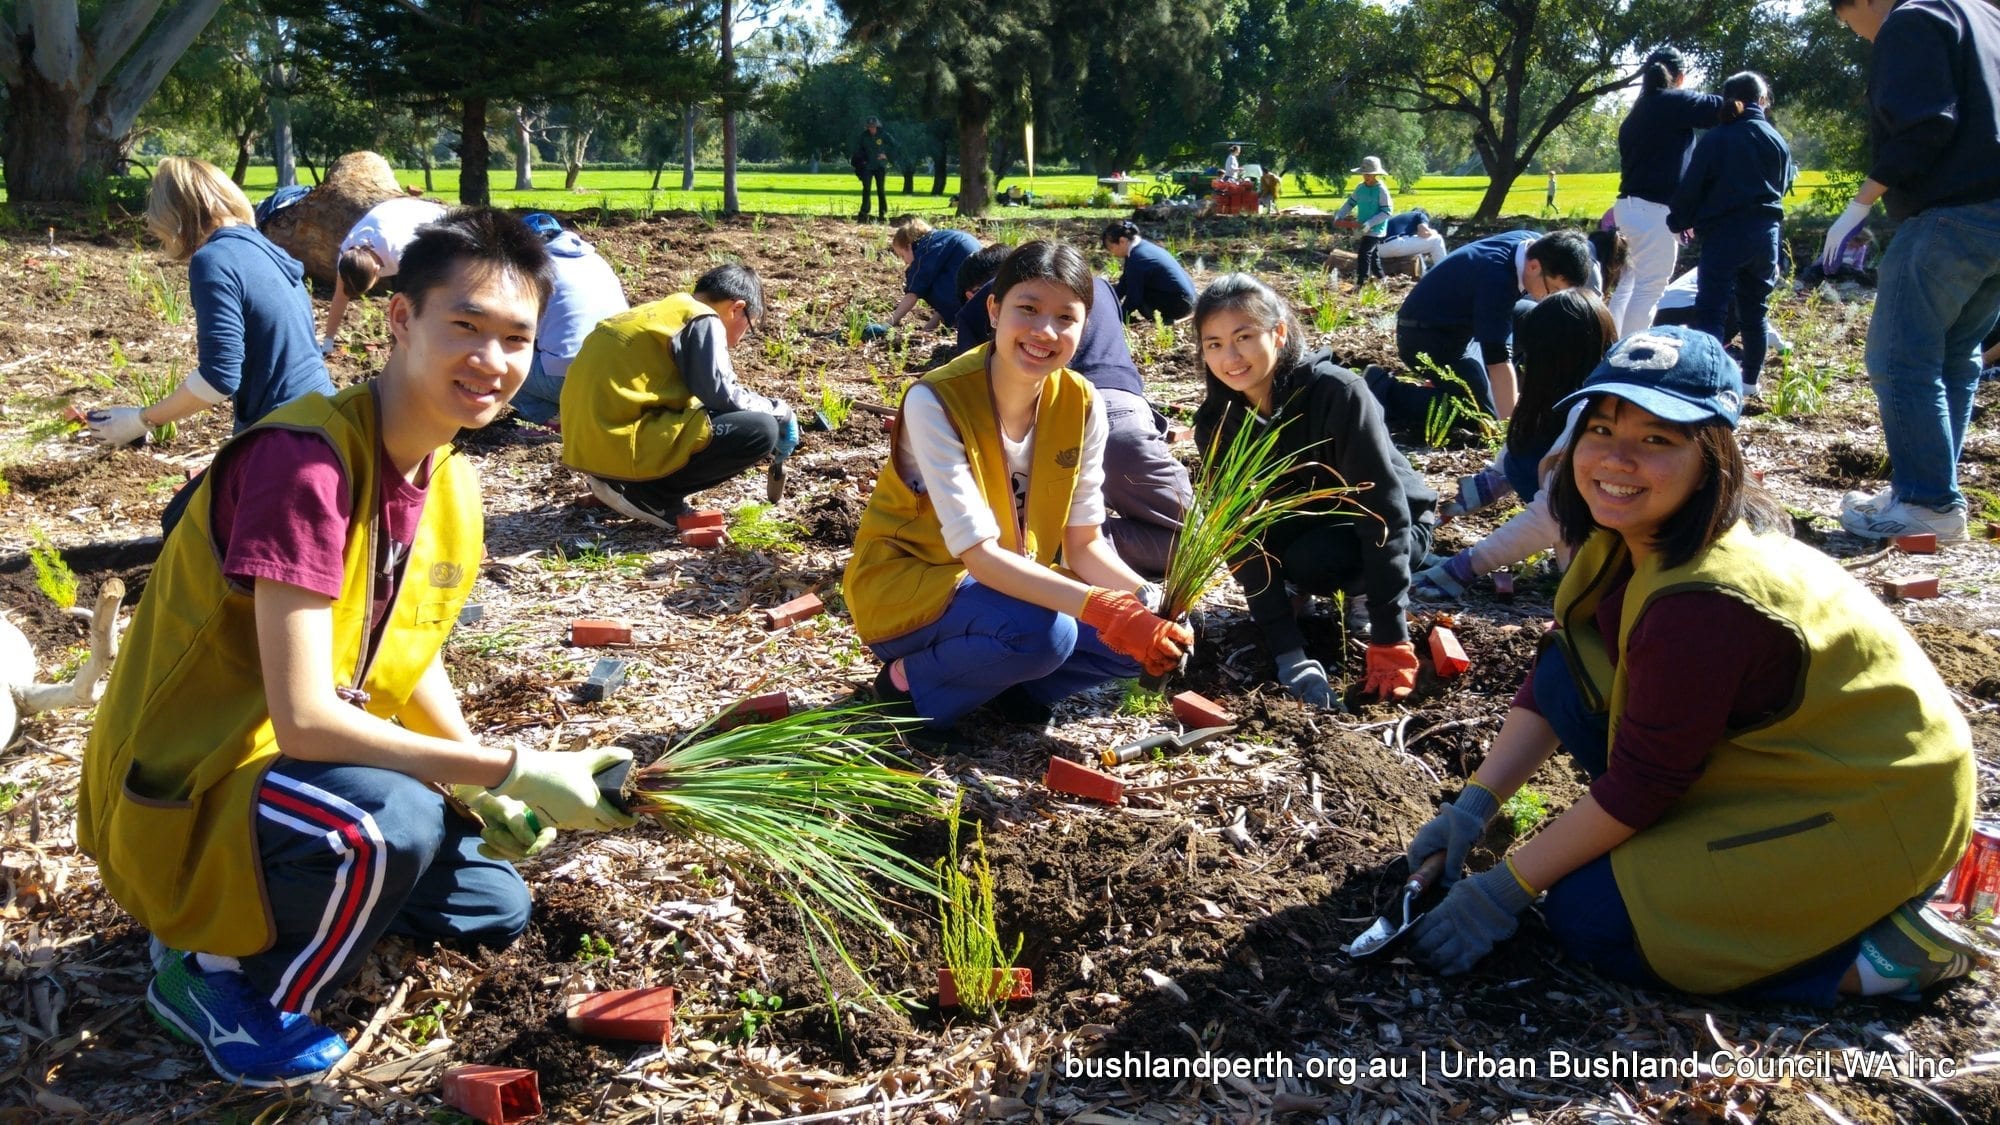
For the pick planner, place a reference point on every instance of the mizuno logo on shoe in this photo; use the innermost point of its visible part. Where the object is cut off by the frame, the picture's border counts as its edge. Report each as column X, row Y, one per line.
column 216, row 1036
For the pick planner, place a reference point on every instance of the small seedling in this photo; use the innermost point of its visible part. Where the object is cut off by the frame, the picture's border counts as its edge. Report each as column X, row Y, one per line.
column 756, row 1010
column 425, row 1026
column 1801, row 389
column 981, row 965
column 1525, row 809
column 1135, row 698
column 53, row 577
column 594, row 948
column 757, row 528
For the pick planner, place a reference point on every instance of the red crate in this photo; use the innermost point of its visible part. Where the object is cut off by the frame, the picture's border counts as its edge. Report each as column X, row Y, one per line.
column 767, row 708
column 1023, row 988
column 802, row 608
column 1199, row 711
column 590, row 632
column 1447, row 655
column 642, row 1015
column 495, row 1095
column 1078, row 780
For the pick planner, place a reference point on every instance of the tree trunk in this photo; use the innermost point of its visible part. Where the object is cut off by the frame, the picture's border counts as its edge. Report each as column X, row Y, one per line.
column 472, row 154
column 1502, row 169
column 424, row 157
column 524, row 154
column 659, row 170
column 909, row 179
column 44, row 148
column 281, row 142
column 243, row 138
column 975, row 112
column 730, row 205
column 687, row 148
column 940, row 160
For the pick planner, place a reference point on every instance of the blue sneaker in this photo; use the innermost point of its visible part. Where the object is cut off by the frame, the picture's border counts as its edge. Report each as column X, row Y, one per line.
column 246, row 1039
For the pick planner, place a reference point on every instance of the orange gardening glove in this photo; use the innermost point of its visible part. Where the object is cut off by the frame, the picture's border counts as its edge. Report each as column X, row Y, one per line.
column 1392, row 670
column 1126, row 627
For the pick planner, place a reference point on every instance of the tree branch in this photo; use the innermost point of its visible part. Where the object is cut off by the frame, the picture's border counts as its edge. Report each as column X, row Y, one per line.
column 147, row 67
column 424, row 13
column 118, row 27
column 58, row 52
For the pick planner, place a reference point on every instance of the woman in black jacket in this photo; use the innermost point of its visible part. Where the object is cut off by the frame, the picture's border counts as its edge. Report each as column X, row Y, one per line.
column 1259, row 373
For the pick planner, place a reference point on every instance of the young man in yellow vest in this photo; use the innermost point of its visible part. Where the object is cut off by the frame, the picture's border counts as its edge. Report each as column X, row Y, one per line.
column 651, row 410
column 266, row 786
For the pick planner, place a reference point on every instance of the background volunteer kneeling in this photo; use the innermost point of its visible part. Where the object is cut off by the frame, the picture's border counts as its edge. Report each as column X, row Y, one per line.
column 996, row 466
column 1778, row 771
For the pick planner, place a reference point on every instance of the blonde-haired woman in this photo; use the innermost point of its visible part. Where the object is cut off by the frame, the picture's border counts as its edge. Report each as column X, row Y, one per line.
column 252, row 312
column 930, row 270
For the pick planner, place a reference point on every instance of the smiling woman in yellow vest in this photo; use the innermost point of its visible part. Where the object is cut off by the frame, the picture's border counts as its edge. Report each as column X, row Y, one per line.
column 262, row 788
column 1779, row 775
column 996, row 466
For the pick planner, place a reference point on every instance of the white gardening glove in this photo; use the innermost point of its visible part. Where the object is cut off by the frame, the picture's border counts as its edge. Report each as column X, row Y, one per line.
column 1837, row 235
column 558, row 785
column 118, row 425
column 327, row 344
column 510, row 829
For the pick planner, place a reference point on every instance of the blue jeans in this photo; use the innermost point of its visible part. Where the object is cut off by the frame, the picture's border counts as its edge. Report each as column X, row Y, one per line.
column 1585, row 910
column 1939, row 296
column 1739, row 267
column 353, row 852
column 1523, row 473
column 987, row 642
column 540, row 398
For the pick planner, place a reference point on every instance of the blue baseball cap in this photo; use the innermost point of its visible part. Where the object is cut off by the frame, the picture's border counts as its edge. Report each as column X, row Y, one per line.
column 1678, row 373
column 543, row 223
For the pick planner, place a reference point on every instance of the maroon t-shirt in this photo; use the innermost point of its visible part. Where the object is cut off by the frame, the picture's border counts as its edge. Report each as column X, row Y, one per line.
column 1701, row 664
column 282, row 511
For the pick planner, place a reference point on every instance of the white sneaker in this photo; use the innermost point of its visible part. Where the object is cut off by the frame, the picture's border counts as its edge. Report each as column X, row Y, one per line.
column 1870, row 503
column 1906, row 519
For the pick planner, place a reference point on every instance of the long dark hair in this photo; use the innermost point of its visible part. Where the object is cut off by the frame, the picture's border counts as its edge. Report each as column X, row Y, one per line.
column 1727, row 494
column 1662, row 68
column 1560, row 343
column 1042, row 260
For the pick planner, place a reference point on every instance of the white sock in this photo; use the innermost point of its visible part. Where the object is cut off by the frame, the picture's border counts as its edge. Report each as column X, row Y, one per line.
column 1872, row 982
column 215, row 963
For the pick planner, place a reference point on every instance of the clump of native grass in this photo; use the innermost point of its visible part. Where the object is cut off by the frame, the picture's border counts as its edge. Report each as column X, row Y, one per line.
column 981, row 965
column 808, row 806
column 1238, row 495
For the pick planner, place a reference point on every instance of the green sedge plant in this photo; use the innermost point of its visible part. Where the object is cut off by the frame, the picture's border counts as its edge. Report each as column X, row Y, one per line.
column 757, row 527
column 53, row 577
column 981, row 965
column 1446, row 412
column 1237, row 497
column 808, row 806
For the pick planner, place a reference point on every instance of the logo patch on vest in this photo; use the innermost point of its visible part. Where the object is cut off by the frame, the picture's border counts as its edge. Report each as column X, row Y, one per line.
column 447, row 575
column 1069, row 457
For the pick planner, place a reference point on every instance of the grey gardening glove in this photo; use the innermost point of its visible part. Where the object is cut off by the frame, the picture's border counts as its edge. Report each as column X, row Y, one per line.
column 560, row 786
column 1453, row 831
column 118, row 425
column 1478, row 914
column 1305, row 678
column 509, row 829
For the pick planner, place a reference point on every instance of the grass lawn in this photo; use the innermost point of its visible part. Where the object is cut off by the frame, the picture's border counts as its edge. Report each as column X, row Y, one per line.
column 1580, row 197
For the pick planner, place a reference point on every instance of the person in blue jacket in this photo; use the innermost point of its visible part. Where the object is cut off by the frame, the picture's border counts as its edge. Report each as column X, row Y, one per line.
column 1153, row 282
column 1934, row 128
column 253, row 316
column 1460, row 316
column 1654, row 144
column 1733, row 196
column 587, row 290
column 930, row 270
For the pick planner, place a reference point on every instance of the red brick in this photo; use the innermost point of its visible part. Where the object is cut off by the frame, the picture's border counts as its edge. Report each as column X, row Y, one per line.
column 589, row 632
column 767, row 708
column 72, row 414
column 642, row 1015
column 706, row 517
column 1911, row 586
column 1024, row 986
column 1993, row 529
column 1503, row 585
column 802, row 608
column 1198, row 711
column 888, row 425
column 1447, row 655
column 1079, row 780
column 495, row 1095
column 1921, row 543
column 705, row 537
column 1178, row 434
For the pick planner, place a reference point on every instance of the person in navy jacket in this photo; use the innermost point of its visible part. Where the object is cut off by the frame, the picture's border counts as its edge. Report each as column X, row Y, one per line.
column 1733, row 196
column 1153, row 282
column 1654, row 144
column 930, row 270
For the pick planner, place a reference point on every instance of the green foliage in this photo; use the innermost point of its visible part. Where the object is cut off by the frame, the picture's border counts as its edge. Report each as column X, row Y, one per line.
column 1525, row 809
column 1449, row 411
column 1238, row 495
column 969, row 935
column 53, row 577
column 832, row 403
column 426, row 1025
column 891, row 394
column 592, row 947
column 754, row 1010
column 1164, row 336
column 10, row 792
column 1801, row 388
column 166, row 297
column 756, row 527
column 1137, row 700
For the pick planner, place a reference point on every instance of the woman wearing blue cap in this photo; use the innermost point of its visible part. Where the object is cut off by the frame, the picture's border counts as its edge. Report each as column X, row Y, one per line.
column 1778, row 773
column 586, row 291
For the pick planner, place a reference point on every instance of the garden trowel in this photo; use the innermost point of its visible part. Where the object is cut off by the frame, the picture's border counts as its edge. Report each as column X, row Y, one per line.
column 1400, row 916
